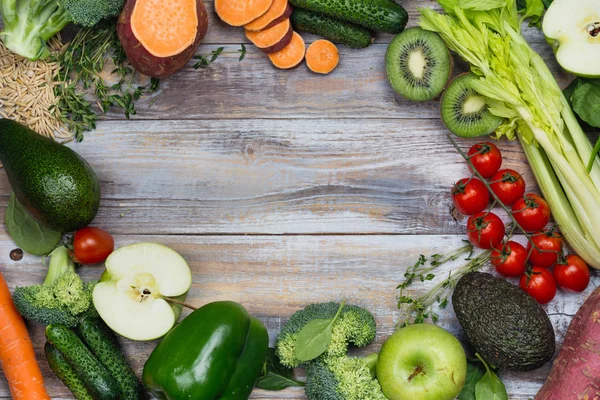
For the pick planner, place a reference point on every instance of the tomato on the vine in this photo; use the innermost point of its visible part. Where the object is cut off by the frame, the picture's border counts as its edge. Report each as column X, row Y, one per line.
column 508, row 185
column 486, row 158
column 572, row 274
column 470, row 196
column 485, row 230
column 531, row 212
column 545, row 248
column 509, row 259
column 92, row 245
column 539, row 284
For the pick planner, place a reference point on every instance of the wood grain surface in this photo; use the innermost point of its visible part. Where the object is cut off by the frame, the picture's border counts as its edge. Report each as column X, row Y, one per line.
column 283, row 188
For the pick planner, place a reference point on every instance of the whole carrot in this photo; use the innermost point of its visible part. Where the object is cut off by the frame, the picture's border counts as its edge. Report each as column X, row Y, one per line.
column 16, row 352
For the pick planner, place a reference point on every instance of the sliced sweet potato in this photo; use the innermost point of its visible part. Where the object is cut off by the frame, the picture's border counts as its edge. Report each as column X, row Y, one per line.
column 160, row 36
column 291, row 55
column 272, row 39
column 322, row 56
column 241, row 12
column 278, row 12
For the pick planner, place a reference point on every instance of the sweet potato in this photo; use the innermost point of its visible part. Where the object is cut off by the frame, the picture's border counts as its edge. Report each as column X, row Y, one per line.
column 160, row 36
column 273, row 39
column 322, row 56
column 241, row 12
column 575, row 373
column 291, row 55
column 278, row 12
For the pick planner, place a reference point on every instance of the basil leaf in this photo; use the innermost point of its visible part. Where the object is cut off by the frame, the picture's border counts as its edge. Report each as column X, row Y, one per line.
column 490, row 387
column 314, row 338
column 586, row 103
column 27, row 233
column 474, row 373
column 275, row 376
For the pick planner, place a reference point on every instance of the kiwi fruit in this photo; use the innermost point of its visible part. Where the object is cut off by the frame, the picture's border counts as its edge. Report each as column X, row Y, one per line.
column 464, row 111
column 418, row 64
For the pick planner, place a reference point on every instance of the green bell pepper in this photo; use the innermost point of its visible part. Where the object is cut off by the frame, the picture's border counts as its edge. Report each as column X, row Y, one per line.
column 217, row 352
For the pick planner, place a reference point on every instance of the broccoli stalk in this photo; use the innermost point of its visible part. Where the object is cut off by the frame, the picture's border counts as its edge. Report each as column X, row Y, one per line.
column 29, row 24
column 62, row 298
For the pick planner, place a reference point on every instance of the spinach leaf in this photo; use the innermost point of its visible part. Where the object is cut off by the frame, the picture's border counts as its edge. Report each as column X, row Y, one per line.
column 27, row 233
column 586, row 102
column 274, row 375
column 314, row 338
column 490, row 387
column 474, row 373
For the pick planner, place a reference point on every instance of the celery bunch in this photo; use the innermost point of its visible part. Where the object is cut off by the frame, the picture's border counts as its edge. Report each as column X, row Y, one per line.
column 520, row 88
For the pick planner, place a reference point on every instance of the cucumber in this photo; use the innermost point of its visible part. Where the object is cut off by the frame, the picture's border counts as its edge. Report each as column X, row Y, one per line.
column 376, row 15
column 92, row 373
column 66, row 373
column 103, row 343
column 339, row 31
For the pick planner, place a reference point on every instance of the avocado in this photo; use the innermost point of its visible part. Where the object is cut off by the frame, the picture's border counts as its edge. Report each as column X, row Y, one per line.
column 507, row 327
column 54, row 184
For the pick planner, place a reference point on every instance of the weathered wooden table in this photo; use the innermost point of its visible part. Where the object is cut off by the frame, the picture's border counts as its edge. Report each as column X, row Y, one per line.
column 283, row 188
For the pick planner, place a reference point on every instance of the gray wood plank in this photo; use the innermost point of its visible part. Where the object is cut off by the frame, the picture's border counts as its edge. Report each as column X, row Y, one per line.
column 273, row 276
column 277, row 176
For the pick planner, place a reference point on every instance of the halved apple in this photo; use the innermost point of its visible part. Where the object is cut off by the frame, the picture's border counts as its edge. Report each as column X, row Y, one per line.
column 573, row 28
column 130, row 294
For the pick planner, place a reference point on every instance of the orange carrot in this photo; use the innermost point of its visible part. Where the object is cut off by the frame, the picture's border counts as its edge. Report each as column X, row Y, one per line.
column 241, row 12
column 16, row 352
column 291, row 55
column 322, row 56
column 272, row 39
column 280, row 10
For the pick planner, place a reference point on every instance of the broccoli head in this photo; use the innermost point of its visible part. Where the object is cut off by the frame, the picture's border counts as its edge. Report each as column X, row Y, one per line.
column 343, row 378
column 355, row 326
column 62, row 298
column 29, row 24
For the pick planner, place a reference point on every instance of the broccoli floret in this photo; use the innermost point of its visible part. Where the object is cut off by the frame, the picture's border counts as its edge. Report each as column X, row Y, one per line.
column 355, row 326
column 29, row 24
column 343, row 378
column 62, row 298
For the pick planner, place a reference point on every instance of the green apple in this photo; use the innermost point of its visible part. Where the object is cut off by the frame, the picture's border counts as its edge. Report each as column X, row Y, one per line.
column 130, row 296
column 573, row 28
column 422, row 362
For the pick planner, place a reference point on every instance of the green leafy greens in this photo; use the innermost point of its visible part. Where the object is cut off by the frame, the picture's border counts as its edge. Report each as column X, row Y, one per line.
column 274, row 375
column 314, row 338
column 490, row 387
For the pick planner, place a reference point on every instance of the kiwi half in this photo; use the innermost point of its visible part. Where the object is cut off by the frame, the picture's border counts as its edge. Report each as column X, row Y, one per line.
column 418, row 64
column 465, row 112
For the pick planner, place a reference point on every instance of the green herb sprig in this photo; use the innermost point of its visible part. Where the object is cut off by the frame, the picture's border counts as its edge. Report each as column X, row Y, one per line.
column 205, row 61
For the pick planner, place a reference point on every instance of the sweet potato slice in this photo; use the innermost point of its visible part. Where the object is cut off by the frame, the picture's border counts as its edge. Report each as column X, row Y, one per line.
column 322, row 56
column 279, row 11
column 241, row 12
column 272, row 39
column 165, row 28
column 291, row 55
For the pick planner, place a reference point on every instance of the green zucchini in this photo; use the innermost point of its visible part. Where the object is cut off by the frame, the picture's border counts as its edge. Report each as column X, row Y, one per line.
column 376, row 15
column 330, row 28
column 103, row 343
column 92, row 373
column 66, row 373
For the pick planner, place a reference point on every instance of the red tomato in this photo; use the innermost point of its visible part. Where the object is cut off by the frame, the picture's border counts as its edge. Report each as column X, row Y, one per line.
column 574, row 274
column 486, row 158
column 510, row 259
column 508, row 185
column 470, row 196
column 92, row 245
column 548, row 247
column 485, row 230
column 531, row 212
column 539, row 284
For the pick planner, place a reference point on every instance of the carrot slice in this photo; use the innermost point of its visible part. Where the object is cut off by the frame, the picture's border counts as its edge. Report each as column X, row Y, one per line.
column 165, row 28
column 16, row 352
column 241, row 12
column 272, row 39
column 280, row 10
column 291, row 55
column 322, row 56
